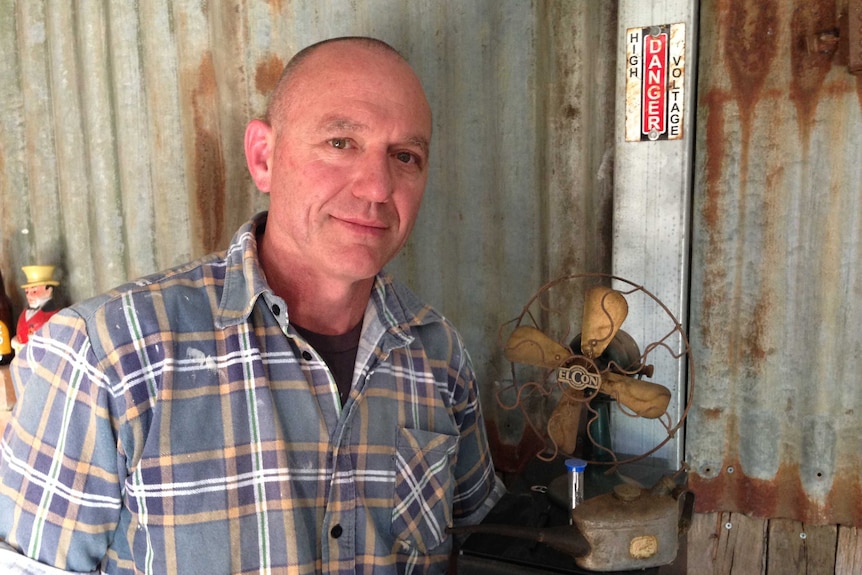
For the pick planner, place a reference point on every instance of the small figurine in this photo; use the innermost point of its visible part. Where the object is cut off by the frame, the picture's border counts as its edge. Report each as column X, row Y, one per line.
column 7, row 328
column 39, row 290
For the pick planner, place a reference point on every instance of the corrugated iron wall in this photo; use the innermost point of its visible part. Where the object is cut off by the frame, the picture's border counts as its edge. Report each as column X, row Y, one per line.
column 777, row 263
column 121, row 141
column 120, row 153
column 121, row 127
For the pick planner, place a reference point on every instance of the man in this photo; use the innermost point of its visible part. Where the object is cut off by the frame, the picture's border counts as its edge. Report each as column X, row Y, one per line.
column 192, row 427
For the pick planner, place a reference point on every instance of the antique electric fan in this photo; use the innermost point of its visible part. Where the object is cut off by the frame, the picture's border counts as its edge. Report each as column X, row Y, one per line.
column 585, row 364
column 601, row 363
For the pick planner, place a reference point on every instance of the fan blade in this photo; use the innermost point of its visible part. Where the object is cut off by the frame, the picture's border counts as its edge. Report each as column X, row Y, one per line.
column 645, row 398
column 529, row 345
column 565, row 420
column 605, row 310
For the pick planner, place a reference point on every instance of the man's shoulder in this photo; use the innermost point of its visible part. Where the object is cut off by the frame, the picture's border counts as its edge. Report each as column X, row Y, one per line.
column 438, row 335
column 404, row 305
column 196, row 276
column 200, row 276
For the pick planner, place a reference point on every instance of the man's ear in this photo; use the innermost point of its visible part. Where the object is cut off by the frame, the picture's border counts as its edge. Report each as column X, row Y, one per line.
column 259, row 146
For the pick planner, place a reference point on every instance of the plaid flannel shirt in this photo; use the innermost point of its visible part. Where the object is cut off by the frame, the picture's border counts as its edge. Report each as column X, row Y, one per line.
column 179, row 424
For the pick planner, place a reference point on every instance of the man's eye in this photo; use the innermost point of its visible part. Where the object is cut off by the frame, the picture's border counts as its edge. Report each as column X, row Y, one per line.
column 339, row 143
column 406, row 157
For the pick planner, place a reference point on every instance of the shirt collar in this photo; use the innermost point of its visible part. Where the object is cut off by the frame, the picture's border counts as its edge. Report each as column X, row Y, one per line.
column 244, row 281
column 397, row 307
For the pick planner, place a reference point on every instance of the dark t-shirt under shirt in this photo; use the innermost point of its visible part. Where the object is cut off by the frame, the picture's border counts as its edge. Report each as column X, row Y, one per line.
column 339, row 353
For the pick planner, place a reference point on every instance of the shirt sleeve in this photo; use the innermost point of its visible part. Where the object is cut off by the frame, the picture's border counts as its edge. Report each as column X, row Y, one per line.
column 60, row 494
column 477, row 486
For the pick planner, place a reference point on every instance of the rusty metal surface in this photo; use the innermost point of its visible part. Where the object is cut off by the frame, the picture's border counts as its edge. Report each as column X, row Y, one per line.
column 777, row 266
column 854, row 37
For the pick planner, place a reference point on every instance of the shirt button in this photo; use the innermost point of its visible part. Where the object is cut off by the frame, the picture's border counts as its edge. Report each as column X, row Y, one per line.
column 336, row 531
column 306, row 355
column 276, row 310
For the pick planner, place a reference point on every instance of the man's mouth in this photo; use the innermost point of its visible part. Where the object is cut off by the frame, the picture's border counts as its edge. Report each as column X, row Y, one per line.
column 364, row 226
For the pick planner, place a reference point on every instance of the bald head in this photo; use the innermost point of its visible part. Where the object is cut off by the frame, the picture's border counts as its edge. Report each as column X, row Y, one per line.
column 281, row 97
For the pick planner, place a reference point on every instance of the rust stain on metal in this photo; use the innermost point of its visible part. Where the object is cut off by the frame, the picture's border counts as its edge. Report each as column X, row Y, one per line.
column 209, row 165
column 712, row 413
column 851, row 28
column 3, row 183
column 267, row 73
column 750, row 47
column 571, row 112
column 845, row 498
column 809, row 68
column 782, row 496
column 276, row 5
column 754, row 350
column 715, row 103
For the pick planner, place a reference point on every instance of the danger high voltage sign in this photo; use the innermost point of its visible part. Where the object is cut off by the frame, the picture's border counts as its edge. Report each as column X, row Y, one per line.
column 655, row 74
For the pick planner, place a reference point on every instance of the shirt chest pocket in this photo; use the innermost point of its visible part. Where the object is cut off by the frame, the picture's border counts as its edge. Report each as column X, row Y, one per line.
column 424, row 487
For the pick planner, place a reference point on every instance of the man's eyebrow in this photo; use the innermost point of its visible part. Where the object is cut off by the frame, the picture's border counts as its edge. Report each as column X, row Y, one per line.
column 419, row 142
column 335, row 123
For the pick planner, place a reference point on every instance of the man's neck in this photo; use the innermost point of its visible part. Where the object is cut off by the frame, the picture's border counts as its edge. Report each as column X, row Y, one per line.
column 325, row 305
column 327, row 309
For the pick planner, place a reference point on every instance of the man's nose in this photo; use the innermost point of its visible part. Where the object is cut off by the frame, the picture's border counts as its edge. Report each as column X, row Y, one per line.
column 374, row 181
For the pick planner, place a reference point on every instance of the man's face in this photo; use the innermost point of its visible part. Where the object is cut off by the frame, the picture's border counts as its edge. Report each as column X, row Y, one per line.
column 349, row 162
column 37, row 296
